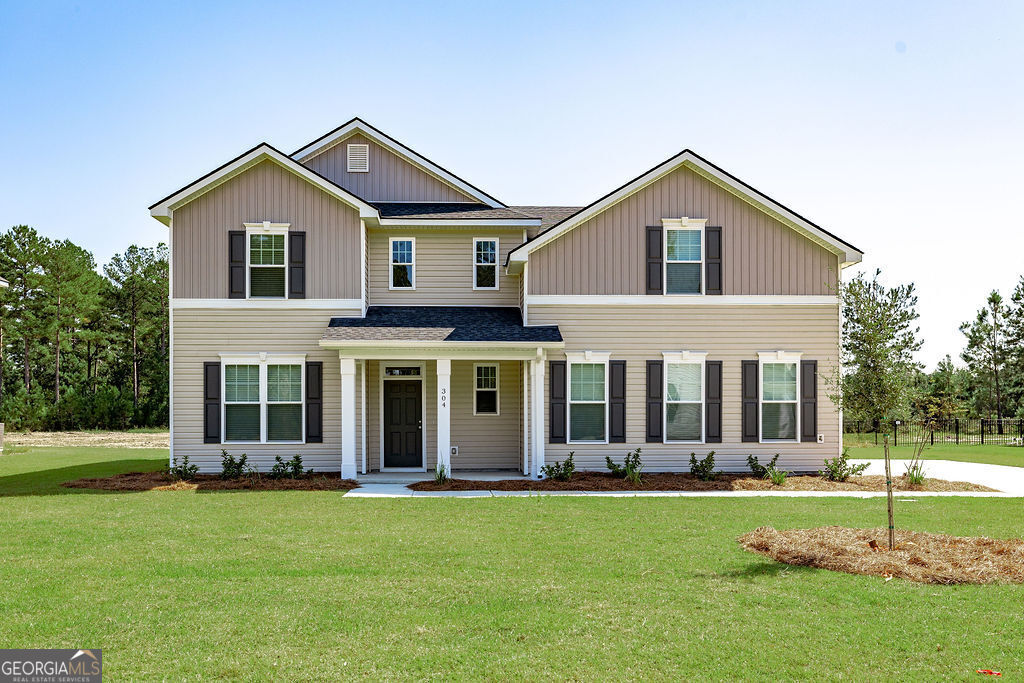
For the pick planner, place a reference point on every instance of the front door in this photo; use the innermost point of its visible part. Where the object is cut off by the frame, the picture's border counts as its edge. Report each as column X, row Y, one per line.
column 403, row 428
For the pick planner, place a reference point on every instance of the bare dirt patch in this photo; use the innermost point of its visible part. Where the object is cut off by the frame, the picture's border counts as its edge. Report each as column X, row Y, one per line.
column 667, row 481
column 919, row 556
column 158, row 481
column 82, row 439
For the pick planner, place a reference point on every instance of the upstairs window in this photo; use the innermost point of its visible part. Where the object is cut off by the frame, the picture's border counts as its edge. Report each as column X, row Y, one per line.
column 683, row 260
column 267, row 264
column 779, row 400
column 485, row 400
column 403, row 263
column 358, row 158
column 485, row 264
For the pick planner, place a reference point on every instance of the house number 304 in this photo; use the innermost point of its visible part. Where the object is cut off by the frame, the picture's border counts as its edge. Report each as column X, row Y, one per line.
column 444, row 397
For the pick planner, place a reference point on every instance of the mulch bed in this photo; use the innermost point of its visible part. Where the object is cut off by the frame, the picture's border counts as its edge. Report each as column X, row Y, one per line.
column 602, row 481
column 158, row 481
column 919, row 556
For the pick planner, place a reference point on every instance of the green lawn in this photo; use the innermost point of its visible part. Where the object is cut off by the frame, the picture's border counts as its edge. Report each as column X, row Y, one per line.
column 307, row 585
column 993, row 455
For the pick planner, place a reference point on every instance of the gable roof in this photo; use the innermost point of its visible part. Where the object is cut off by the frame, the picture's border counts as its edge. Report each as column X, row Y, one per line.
column 162, row 209
column 357, row 125
column 848, row 253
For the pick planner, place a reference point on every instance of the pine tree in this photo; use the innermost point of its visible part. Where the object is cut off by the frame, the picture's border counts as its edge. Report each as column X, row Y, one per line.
column 985, row 353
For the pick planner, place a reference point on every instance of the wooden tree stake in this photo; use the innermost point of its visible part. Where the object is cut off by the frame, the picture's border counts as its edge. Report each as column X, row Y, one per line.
column 888, row 490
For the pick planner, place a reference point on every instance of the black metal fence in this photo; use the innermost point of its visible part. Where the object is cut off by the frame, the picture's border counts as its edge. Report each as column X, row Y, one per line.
column 959, row 431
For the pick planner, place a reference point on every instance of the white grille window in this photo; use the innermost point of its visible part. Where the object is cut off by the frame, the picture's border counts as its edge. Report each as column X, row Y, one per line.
column 358, row 158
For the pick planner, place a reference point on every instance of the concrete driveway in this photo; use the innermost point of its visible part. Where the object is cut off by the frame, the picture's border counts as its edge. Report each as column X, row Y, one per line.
column 999, row 477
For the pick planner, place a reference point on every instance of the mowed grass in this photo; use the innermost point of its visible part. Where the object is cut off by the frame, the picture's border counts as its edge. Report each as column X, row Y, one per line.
column 310, row 585
column 992, row 455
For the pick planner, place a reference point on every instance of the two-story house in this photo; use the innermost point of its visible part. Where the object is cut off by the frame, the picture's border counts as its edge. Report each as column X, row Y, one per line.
column 357, row 304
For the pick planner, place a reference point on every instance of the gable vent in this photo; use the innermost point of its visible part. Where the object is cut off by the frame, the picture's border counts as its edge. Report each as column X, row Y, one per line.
column 358, row 158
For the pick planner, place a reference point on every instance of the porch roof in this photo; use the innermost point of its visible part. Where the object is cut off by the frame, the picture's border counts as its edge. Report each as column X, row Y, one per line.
column 439, row 325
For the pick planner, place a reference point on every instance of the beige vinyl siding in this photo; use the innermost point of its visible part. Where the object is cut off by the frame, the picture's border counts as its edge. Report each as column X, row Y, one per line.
column 484, row 441
column 444, row 268
column 607, row 254
column 265, row 192
column 390, row 178
column 730, row 334
column 201, row 334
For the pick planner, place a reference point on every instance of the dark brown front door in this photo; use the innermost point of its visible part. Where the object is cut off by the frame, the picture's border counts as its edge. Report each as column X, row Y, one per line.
column 403, row 431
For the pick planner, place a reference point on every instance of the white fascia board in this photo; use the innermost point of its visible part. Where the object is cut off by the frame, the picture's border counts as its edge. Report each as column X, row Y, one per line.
column 357, row 126
column 681, row 300
column 687, row 158
column 457, row 223
column 441, row 346
column 338, row 305
column 434, row 352
column 164, row 209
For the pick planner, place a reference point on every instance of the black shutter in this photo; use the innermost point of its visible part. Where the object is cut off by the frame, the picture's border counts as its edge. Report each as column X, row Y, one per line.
column 211, row 402
column 315, row 402
column 713, row 401
column 617, row 401
column 713, row 260
column 808, row 400
column 655, row 378
column 236, row 264
column 296, row 265
column 751, row 429
column 557, row 401
column 654, row 261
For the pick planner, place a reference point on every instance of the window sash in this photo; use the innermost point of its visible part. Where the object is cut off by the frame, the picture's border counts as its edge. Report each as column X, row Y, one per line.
column 684, row 258
column 780, row 401
column 276, row 405
column 402, row 256
column 581, row 403
column 485, row 384
column 677, row 398
column 267, row 263
column 485, row 263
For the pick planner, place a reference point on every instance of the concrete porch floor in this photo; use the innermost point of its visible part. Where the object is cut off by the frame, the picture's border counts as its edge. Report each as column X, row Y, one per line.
column 412, row 477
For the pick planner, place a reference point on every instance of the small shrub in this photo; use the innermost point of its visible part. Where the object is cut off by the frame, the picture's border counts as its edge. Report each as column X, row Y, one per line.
column 280, row 469
column 231, row 468
column 440, row 473
column 295, row 469
column 183, row 471
column 838, row 469
column 704, row 469
column 629, row 469
column 759, row 470
column 560, row 471
column 777, row 476
column 915, row 474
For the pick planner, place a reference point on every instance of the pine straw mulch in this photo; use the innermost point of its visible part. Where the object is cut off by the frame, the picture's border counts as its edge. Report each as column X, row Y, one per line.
column 158, row 481
column 668, row 481
column 919, row 556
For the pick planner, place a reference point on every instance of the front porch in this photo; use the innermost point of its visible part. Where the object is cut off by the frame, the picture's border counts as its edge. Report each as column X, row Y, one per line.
column 455, row 387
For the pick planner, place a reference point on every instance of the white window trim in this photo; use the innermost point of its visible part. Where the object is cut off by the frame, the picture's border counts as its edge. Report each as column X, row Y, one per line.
column 681, row 224
column 585, row 358
column 265, row 228
column 684, row 358
column 776, row 357
column 497, row 389
column 262, row 359
column 497, row 255
column 348, row 157
column 391, row 264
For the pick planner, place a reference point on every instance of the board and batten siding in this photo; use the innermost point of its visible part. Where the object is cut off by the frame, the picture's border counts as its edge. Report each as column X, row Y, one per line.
column 444, row 268
column 265, row 192
column 484, row 441
column 730, row 334
column 606, row 254
column 390, row 178
column 201, row 334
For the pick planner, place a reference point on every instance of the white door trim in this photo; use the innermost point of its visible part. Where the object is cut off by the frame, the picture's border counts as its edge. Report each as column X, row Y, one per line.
column 382, row 377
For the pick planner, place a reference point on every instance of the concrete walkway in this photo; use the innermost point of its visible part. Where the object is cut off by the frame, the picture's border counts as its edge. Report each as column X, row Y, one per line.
column 1009, row 481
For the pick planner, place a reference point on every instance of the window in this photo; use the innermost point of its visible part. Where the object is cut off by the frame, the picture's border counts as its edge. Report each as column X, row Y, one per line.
column 684, row 399
column 779, row 397
column 267, row 262
column 485, row 378
column 588, row 397
column 485, row 264
column 683, row 252
column 358, row 158
column 403, row 263
column 263, row 398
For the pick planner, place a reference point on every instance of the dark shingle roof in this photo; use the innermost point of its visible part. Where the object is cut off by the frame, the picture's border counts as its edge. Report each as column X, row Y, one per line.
column 439, row 324
column 445, row 211
column 548, row 215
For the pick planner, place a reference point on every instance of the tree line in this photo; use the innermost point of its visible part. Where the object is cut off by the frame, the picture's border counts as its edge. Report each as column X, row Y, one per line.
column 879, row 379
column 82, row 348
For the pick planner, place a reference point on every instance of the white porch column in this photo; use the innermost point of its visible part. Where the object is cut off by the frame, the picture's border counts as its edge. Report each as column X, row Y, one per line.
column 348, row 418
column 537, row 415
column 444, row 419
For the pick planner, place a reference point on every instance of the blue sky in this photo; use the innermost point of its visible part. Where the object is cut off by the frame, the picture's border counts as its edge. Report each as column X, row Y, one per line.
column 895, row 125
